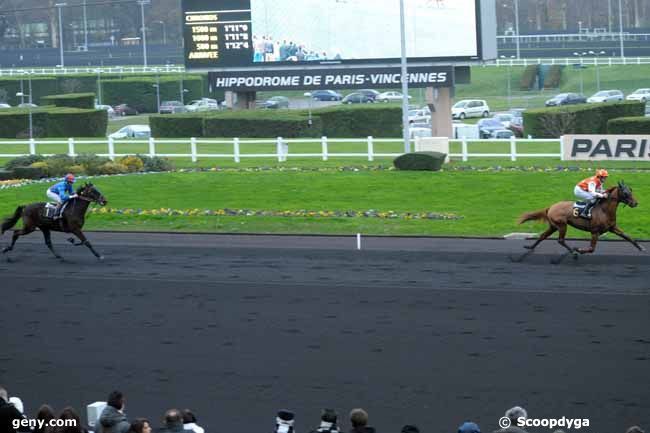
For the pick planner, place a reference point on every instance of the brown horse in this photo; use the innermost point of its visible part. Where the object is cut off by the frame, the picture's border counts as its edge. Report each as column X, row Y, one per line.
column 71, row 221
column 561, row 215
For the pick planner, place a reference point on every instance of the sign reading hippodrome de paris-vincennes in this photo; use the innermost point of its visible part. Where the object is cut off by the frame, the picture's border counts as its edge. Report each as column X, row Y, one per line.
column 606, row 147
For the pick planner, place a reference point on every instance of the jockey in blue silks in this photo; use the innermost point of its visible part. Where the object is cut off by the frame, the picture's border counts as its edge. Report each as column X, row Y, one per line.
column 61, row 192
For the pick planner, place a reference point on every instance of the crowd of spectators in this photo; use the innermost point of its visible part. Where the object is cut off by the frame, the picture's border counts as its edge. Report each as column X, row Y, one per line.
column 113, row 419
column 267, row 50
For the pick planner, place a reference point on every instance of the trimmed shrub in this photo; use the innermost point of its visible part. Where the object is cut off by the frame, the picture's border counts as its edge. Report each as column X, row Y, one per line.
column 132, row 163
column 75, row 122
column 629, row 125
column 361, row 120
column 113, row 168
column 59, row 165
column 24, row 161
column 140, row 94
column 553, row 77
column 91, row 163
column 176, row 125
column 431, row 161
column 41, row 86
column 6, row 174
column 29, row 173
column 14, row 123
column 553, row 122
column 156, row 163
column 528, row 77
column 260, row 124
column 74, row 100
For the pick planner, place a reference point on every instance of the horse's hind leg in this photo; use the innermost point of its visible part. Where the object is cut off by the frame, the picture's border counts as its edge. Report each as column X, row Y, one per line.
column 549, row 231
column 592, row 246
column 561, row 240
column 86, row 242
column 48, row 241
column 18, row 233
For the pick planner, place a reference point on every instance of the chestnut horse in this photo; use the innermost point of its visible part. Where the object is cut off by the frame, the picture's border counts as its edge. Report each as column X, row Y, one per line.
column 71, row 221
column 561, row 215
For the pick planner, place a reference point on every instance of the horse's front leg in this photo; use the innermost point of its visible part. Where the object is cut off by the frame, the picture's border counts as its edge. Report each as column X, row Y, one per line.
column 84, row 241
column 592, row 247
column 617, row 230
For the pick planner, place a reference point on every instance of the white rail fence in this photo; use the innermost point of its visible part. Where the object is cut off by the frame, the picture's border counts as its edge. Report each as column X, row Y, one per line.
column 282, row 148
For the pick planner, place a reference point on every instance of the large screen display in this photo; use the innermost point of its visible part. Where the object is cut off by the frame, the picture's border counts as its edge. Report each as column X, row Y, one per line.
column 249, row 33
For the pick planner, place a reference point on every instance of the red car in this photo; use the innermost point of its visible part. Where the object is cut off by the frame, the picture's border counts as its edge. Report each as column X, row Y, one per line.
column 125, row 110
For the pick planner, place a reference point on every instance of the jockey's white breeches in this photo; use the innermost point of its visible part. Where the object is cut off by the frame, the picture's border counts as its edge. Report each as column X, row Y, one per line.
column 583, row 195
column 54, row 197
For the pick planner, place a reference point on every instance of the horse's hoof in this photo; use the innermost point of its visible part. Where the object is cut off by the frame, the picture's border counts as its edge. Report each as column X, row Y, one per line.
column 100, row 258
column 71, row 240
column 529, row 247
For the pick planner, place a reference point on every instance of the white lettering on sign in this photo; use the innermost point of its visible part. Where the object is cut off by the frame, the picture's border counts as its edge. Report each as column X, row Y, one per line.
column 606, row 147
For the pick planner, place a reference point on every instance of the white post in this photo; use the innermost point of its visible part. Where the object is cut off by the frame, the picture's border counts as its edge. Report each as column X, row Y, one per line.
column 193, row 148
column 371, row 150
column 562, row 148
column 323, row 142
column 235, row 145
column 278, row 145
column 152, row 147
column 71, row 147
column 111, row 149
column 513, row 148
column 358, row 241
column 464, row 149
column 32, row 146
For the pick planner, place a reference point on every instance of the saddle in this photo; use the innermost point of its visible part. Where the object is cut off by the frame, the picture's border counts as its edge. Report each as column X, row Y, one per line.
column 50, row 212
column 579, row 210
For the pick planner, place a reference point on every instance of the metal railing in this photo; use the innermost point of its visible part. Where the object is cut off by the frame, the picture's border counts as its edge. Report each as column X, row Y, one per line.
column 566, row 61
column 282, row 148
column 162, row 69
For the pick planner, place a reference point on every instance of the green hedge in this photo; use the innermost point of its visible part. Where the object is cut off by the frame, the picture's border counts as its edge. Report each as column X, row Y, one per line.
column 74, row 100
column 75, row 122
column 629, row 125
column 260, row 124
column 41, row 86
column 53, row 122
column 431, row 161
column 553, row 77
column 361, row 120
column 553, row 122
column 140, row 93
column 176, row 125
column 528, row 77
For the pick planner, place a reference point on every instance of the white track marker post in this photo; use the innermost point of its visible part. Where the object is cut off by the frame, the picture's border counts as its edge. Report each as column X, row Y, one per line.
column 193, row 148
column 371, row 149
column 235, row 144
column 32, row 146
column 111, row 149
column 513, row 148
column 358, row 241
column 71, row 153
column 323, row 142
column 278, row 148
column 152, row 147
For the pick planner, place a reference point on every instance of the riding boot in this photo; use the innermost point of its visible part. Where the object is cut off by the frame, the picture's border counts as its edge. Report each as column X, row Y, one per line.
column 586, row 211
column 57, row 211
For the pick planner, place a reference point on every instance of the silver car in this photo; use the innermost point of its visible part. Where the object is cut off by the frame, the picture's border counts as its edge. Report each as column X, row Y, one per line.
column 606, row 96
column 642, row 95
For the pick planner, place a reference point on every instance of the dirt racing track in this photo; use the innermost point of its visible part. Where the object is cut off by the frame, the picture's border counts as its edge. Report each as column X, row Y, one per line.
column 431, row 332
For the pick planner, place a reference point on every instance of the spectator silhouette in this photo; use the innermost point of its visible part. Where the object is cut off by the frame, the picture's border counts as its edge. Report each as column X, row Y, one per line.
column 359, row 420
column 173, row 422
column 9, row 413
column 328, row 421
column 189, row 422
column 113, row 419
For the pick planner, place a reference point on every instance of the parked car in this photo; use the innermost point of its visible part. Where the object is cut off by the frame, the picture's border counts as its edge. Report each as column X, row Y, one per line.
column 390, row 97
column 470, row 108
column 487, row 126
column 203, row 104
column 517, row 129
column 3, row 105
column 370, row 93
column 565, row 99
column 420, row 115
column 501, row 134
column 326, row 95
column 275, row 102
column 506, row 119
column 606, row 96
column 132, row 131
column 125, row 110
column 27, row 105
column 642, row 95
column 172, row 107
column 108, row 108
column 356, row 98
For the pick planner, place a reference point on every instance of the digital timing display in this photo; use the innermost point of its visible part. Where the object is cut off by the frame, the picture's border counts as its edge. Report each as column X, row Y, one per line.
column 217, row 37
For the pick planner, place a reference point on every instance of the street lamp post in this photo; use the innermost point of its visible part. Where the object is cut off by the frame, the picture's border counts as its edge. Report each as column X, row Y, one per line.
column 582, row 85
column 620, row 27
column 99, row 87
column 405, row 88
column 59, row 6
column 144, row 30
column 509, row 79
column 157, row 86
column 164, row 31
column 596, row 55
column 21, row 95
column 85, row 28
column 517, row 28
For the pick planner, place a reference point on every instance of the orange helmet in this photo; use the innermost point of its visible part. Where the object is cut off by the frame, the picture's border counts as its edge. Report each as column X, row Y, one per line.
column 69, row 177
column 602, row 173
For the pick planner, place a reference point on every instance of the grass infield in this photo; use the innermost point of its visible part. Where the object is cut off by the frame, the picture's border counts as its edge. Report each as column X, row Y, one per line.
column 487, row 202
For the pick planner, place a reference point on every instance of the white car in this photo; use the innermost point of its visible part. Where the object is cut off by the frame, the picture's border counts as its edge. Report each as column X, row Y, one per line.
column 642, row 95
column 506, row 119
column 470, row 108
column 606, row 96
column 108, row 108
column 420, row 115
column 132, row 131
column 205, row 104
column 3, row 105
column 390, row 97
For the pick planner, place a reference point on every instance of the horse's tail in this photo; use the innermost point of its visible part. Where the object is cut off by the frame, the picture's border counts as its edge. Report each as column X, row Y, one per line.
column 539, row 215
column 12, row 220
